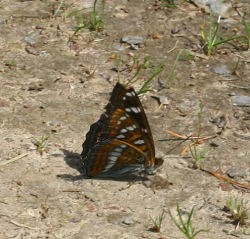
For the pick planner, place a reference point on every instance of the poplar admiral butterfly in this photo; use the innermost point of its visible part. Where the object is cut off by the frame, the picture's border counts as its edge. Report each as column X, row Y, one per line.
column 120, row 142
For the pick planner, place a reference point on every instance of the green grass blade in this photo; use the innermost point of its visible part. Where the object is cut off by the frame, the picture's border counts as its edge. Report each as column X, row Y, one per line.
column 171, row 74
column 145, row 86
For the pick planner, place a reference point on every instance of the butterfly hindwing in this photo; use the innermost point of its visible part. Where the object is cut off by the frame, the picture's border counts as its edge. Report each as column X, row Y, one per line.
column 121, row 140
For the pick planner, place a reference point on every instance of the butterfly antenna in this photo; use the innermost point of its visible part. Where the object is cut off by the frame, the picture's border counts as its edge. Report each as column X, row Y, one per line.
column 176, row 146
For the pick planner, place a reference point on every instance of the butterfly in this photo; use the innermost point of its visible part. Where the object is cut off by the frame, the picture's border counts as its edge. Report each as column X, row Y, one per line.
column 120, row 142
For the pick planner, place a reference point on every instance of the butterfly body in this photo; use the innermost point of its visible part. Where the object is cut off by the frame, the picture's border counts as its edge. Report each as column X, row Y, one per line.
column 120, row 142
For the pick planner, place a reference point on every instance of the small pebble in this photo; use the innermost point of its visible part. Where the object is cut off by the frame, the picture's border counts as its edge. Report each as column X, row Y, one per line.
column 236, row 172
column 56, row 123
column 221, row 70
column 241, row 100
column 128, row 221
column 175, row 31
column 133, row 40
column 217, row 7
column 214, row 144
column 30, row 40
column 220, row 122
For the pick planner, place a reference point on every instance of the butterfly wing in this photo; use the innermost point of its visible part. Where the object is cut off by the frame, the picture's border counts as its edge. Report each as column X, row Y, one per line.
column 121, row 140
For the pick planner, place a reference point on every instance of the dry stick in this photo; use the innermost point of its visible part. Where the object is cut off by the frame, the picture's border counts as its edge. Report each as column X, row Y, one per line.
column 175, row 46
column 190, row 137
column 22, row 225
column 187, row 148
column 13, row 159
column 176, row 135
column 71, row 191
column 199, row 140
column 231, row 181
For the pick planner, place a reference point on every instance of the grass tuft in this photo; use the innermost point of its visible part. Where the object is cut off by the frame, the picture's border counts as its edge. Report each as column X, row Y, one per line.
column 169, row 3
column 95, row 21
column 247, row 29
column 41, row 144
column 239, row 211
column 211, row 39
column 172, row 71
column 146, row 86
column 186, row 227
column 157, row 222
column 59, row 8
column 196, row 154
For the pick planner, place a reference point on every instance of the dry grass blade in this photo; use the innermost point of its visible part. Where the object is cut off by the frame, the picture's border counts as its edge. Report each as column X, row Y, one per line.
column 176, row 135
column 198, row 139
column 189, row 137
column 13, row 159
column 22, row 225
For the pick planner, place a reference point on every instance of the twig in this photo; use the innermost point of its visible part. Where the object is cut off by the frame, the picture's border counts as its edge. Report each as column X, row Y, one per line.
column 187, row 148
column 199, row 140
column 71, row 191
column 175, row 45
column 176, row 135
column 231, row 181
column 195, row 54
column 13, row 159
column 190, row 137
column 22, row 225
column 176, row 156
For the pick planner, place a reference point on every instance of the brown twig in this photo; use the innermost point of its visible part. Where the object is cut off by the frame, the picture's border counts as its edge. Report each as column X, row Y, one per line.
column 71, row 191
column 231, row 181
column 199, row 140
column 176, row 135
column 187, row 148
column 189, row 137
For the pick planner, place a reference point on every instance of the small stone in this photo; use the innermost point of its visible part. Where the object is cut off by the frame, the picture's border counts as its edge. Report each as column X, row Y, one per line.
column 121, row 11
column 147, row 183
column 221, row 70
column 134, row 47
column 175, row 31
column 236, row 172
column 119, row 47
column 220, row 121
column 241, row 100
column 133, row 40
column 31, row 50
column 56, row 123
column 75, row 219
column 214, row 144
column 128, row 221
column 217, row 7
column 30, row 40
column 164, row 100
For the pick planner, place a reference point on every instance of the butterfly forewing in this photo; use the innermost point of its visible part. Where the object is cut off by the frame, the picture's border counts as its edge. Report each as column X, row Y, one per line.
column 121, row 140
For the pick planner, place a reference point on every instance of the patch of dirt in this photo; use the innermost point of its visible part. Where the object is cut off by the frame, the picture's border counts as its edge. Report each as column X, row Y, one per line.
column 50, row 86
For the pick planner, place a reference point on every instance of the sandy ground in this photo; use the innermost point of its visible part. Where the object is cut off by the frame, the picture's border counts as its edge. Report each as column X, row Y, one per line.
column 52, row 87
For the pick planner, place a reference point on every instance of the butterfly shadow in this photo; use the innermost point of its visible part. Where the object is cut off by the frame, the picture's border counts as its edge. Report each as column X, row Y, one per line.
column 74, row 161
